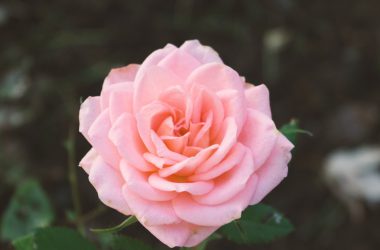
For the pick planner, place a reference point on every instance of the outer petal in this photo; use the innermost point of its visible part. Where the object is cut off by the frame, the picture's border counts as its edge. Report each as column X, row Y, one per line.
column 181, row 234
column 259, row 134
column 204, row 54
column 137, row 182
column 98, row 137
column 122, row 74
column 87, row 160
column 125, row 137
column 257, row 98
column 108, row 183
column 150, row 213
column 89, row 111
column 180, row 63
column 151, row 84
column 216, row 77
column 274, row 170
column 217, row 215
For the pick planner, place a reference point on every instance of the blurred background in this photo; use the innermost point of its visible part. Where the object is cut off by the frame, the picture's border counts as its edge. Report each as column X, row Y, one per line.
column 320, row 60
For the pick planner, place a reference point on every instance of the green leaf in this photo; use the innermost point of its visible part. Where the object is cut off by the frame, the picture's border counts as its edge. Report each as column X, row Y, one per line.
column 127, row 222
column 119, row 242
column 24, row 243
column 258, row 224
column 28, row 209
column 56, row 238
column 291, row 130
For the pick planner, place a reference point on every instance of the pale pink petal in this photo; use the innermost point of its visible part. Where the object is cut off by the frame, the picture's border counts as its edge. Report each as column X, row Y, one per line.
column 229, row 184
column 216, row 215
column 229, row 137
column 151, row 117
column 125, row 137
column 257, row 98
column 150, row 213
column 122, row 74
column 137, row 182
column 120, row 102
column 216, row 77
column 163, row 151
column 204, row 54
column 157, row 161
column 234, row 106
column 108, row 183
column 182, row 234
column 154, row 58
column 274, row 170
column 195, row 188
column 98, row 137
column 174, row 96
column 234, row 157
column 149, row 87
column 259, row 134
column 89, row 111
column 176, row 143
column 87, row 160
column 180, row 63
column 188, row 165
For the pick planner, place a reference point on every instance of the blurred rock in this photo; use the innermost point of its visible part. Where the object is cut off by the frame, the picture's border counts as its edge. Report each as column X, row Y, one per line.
column 354, row 177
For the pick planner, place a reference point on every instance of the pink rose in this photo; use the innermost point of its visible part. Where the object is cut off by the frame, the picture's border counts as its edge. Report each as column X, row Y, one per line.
column 182, row 143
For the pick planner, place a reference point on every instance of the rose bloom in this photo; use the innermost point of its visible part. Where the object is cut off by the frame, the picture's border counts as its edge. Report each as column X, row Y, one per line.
column 182, row 143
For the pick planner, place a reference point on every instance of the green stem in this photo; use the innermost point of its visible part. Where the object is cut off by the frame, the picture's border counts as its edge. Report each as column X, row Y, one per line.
column 72, row 175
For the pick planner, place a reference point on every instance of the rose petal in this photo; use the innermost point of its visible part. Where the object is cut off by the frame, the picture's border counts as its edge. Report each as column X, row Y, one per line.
column 89, row 111
column 258, row 98
column 151, row 84
column 108, row 183
column 229, row 134
column 98, row 137
column 137, row 182
column 181, row 234
column 234, row 157
column 229, row 184
column 125, row 137
column 259, row 134
column 204, row 215
column 150, row 213
column 274, row 170
column 88, row 159
column 180, row 63
column 216, row 77
column 122, row 74
column 195, row 188
column 204, row 54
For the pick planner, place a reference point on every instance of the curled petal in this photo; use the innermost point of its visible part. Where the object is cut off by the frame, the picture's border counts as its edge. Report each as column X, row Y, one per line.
column 195, row 188
column 229, row 184
column 257, row 98
column 274, row 170
column 125, row 137
column 137, row 182
column 216, row 215
column 228, row 134
column 108, row 183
